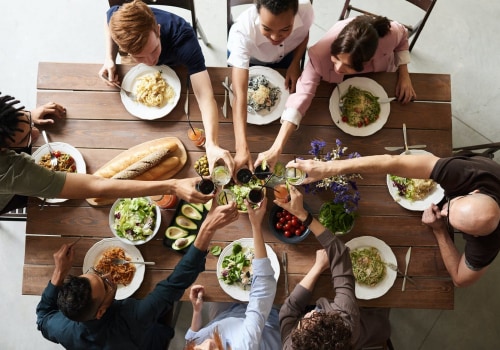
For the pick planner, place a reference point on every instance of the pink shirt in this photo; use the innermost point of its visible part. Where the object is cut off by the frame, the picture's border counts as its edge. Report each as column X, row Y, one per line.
column 391, row 52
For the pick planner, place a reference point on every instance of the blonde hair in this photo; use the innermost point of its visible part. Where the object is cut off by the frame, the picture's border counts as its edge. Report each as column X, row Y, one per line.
column 131, row 25
column 217, row 338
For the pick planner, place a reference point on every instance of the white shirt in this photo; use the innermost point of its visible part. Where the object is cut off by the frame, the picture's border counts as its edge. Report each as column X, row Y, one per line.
column 247, row 45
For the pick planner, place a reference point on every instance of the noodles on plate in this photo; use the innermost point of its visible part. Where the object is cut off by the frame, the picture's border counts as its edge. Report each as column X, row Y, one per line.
column 65, row 162
column 359, row 107
column 153, row 91
column 121, row 274
column 367, row 266
column 261, row 95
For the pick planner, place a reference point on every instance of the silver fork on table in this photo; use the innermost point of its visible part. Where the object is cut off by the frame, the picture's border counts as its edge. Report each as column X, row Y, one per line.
column 395, row 268
column 117, row 261
column 53, row 158
column 130, row 94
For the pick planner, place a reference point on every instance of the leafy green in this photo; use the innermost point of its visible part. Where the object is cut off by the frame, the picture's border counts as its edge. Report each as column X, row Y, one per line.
column 215, row 250
column 236, row 267
column 241, row 192
column 334, row 217
column 135, row 218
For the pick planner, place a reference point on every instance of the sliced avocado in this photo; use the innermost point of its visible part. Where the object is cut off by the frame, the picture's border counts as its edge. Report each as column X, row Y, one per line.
column 183, row 242
column 198, row 206
column 185, row 223
column 208, row 205
column 190, row 212
column 174, row 232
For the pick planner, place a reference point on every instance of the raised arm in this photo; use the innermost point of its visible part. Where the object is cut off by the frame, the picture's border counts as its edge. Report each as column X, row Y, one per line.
column 240, row 89
column 108, row 70
column 293, row 71
column 202, row 88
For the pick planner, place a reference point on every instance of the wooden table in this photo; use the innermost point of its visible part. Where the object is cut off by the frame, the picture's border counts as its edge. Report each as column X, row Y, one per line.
column 100, row 127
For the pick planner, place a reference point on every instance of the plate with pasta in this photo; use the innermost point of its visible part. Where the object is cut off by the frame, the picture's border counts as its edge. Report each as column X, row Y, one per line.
column 69, row 159
column 156, row 89
column 414, row 194
column 361, row 114
column 369, row 257
column 128, row 277
column 266, row 95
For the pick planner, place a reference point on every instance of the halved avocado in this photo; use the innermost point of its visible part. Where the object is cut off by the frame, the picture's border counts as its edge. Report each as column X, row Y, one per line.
column 185, row 223
column 190, row 212
column 208, row 205
column 174, row 232
column 198, row 206
column 184, row 242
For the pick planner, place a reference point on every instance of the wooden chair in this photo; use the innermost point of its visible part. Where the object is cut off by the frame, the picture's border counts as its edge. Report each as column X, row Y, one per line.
column 183, row 4
column 413, row 30
column 487, row 149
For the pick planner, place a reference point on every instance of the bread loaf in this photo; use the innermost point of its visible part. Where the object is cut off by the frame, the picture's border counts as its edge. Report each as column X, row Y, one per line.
column 142, row 165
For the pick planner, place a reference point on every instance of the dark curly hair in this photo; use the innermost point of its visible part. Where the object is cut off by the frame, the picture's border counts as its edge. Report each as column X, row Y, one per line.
column 75, row 299
column 9, row 119
column 323, row 331
column 359, row 39
column 277, row 7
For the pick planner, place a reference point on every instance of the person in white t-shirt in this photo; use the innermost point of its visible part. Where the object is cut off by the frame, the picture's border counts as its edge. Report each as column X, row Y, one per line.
column 273, row 34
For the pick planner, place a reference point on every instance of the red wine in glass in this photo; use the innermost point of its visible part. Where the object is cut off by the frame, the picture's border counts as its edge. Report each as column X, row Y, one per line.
column 205, row 186
column 244, row 175
column 262, row 173
column 256, row 195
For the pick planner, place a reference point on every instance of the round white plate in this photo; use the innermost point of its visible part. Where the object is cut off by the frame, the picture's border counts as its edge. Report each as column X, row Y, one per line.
column 235, row 291
column 138, row 109
column 264, row 116
column 364, row 84
column 81, row 167
column 434, row 197
column 366, row 292
column 95, row 252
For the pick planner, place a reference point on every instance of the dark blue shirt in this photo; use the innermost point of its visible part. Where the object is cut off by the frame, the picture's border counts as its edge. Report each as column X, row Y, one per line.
column 179, row 43
column 126, row 324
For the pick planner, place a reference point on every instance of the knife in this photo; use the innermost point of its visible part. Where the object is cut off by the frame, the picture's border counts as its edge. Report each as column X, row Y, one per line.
column 186, row 104
column 224, row 106
column 386, row 100
column 407, row 261
column 284, row 261
column 402, row 147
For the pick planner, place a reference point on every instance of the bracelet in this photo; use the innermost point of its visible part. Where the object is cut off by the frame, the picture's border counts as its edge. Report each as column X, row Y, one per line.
column 308, row 220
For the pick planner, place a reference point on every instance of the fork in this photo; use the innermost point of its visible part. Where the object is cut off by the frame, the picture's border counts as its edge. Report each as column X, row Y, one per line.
column 117, row 261
column 250, row 109
column 53, row 158
column 395, row 268
column 130, row 94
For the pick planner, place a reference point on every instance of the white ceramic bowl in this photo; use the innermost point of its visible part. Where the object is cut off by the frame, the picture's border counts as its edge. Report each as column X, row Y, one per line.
column 139, row 241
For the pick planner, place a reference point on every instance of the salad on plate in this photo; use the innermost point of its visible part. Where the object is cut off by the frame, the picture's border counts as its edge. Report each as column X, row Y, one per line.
column 237, row 266
column 134, row 218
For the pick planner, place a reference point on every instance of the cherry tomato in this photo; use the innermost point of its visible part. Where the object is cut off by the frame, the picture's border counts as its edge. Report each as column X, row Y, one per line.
column 360, row 124
column 279, row 226
column 288, row 217
column 344, row 119
column 298, row 232
column 302, row 228
column 282, row 220
column 286, row 226
column 294, row 222
column 288, row 234
column 57, row 153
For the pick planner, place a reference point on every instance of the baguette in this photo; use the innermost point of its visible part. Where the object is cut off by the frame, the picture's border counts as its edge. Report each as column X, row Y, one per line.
column 143, row 165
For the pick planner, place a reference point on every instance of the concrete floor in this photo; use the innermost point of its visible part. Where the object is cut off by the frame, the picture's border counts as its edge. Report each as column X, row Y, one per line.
column 456, row 41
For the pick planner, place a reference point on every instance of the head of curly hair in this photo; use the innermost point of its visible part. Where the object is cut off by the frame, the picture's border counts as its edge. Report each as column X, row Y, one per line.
column 9, row 119
column 75, row 299
column 322, row 331
column 277, row 7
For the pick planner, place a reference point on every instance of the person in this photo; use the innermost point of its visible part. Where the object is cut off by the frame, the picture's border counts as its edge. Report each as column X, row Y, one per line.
column 241, row 326
column 357, row 45
column 21, row 177
column 273, row 34
column 472, row 188
column 155, row 37
column 332, row 324
column 80, row 312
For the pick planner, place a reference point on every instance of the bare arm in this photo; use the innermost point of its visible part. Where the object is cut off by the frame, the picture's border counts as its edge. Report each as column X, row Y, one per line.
column 404, row 88
column 293, row 71
column 218, row 217
column 320, row 264
column 273, row 153
column 461, row 275
column 413, row 166
column 109, row 67
column 202, row 88
column 240, row 89
column 89, row 186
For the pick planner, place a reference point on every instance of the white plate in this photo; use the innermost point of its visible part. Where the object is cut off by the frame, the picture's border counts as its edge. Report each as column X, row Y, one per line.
column 63, row 148
column 138, row 109
column 264, row 116
column 364, row 84
column 236, row 291
column 95, row 252
column 434, row 197
column 366, row 292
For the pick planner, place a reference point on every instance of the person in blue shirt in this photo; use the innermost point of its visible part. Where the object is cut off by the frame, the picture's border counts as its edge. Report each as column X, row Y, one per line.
column 241, row 326
column 155, row 37
column 81, row 312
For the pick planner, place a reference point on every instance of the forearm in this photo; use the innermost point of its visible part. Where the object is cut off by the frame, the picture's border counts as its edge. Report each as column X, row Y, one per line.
column 240, row 90
column 286, row 130
column 111, row 47
column 310, row 279
column 196, row 321
column 299, row 51
column 202, row 88
column 58, row 277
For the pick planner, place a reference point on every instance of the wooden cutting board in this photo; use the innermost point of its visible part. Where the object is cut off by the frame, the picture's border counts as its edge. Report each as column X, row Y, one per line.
column 179, row 153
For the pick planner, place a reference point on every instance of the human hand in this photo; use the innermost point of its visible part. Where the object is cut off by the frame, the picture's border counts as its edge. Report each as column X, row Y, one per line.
column 196, row 294
column 432, row 218
column 256, row 215
column 243, row 159
column 322, row 262
column 63, row 261
column 270, row 156
column 315, row 170
column 404, row 89
column 214, row 153
column 218, row 217
column 296, row 204
column 292, row 75
column 107, row 73
column 186, row 189
column 49, row 109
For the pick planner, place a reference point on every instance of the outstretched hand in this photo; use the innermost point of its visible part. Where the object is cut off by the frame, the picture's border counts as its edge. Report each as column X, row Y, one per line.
column 186, row 189
column 296, row 204
column 50, row 109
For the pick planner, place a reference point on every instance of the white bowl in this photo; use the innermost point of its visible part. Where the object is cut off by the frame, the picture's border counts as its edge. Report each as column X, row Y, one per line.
column 139, row 241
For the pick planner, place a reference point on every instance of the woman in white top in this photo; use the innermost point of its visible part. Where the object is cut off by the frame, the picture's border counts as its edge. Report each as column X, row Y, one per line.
column 272, row 33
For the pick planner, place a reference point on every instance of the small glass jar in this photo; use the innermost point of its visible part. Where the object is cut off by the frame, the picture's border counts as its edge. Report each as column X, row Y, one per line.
column 166, row 201
column 197, row 136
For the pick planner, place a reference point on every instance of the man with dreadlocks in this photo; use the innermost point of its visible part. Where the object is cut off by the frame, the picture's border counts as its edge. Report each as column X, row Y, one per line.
column 21, row 177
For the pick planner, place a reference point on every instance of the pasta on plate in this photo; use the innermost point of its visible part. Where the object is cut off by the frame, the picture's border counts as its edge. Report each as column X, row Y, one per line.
column 261, row 95
column 121, row 274
column 359, row 107
column 367, row 266
column 153, row 91
column 65, row 162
